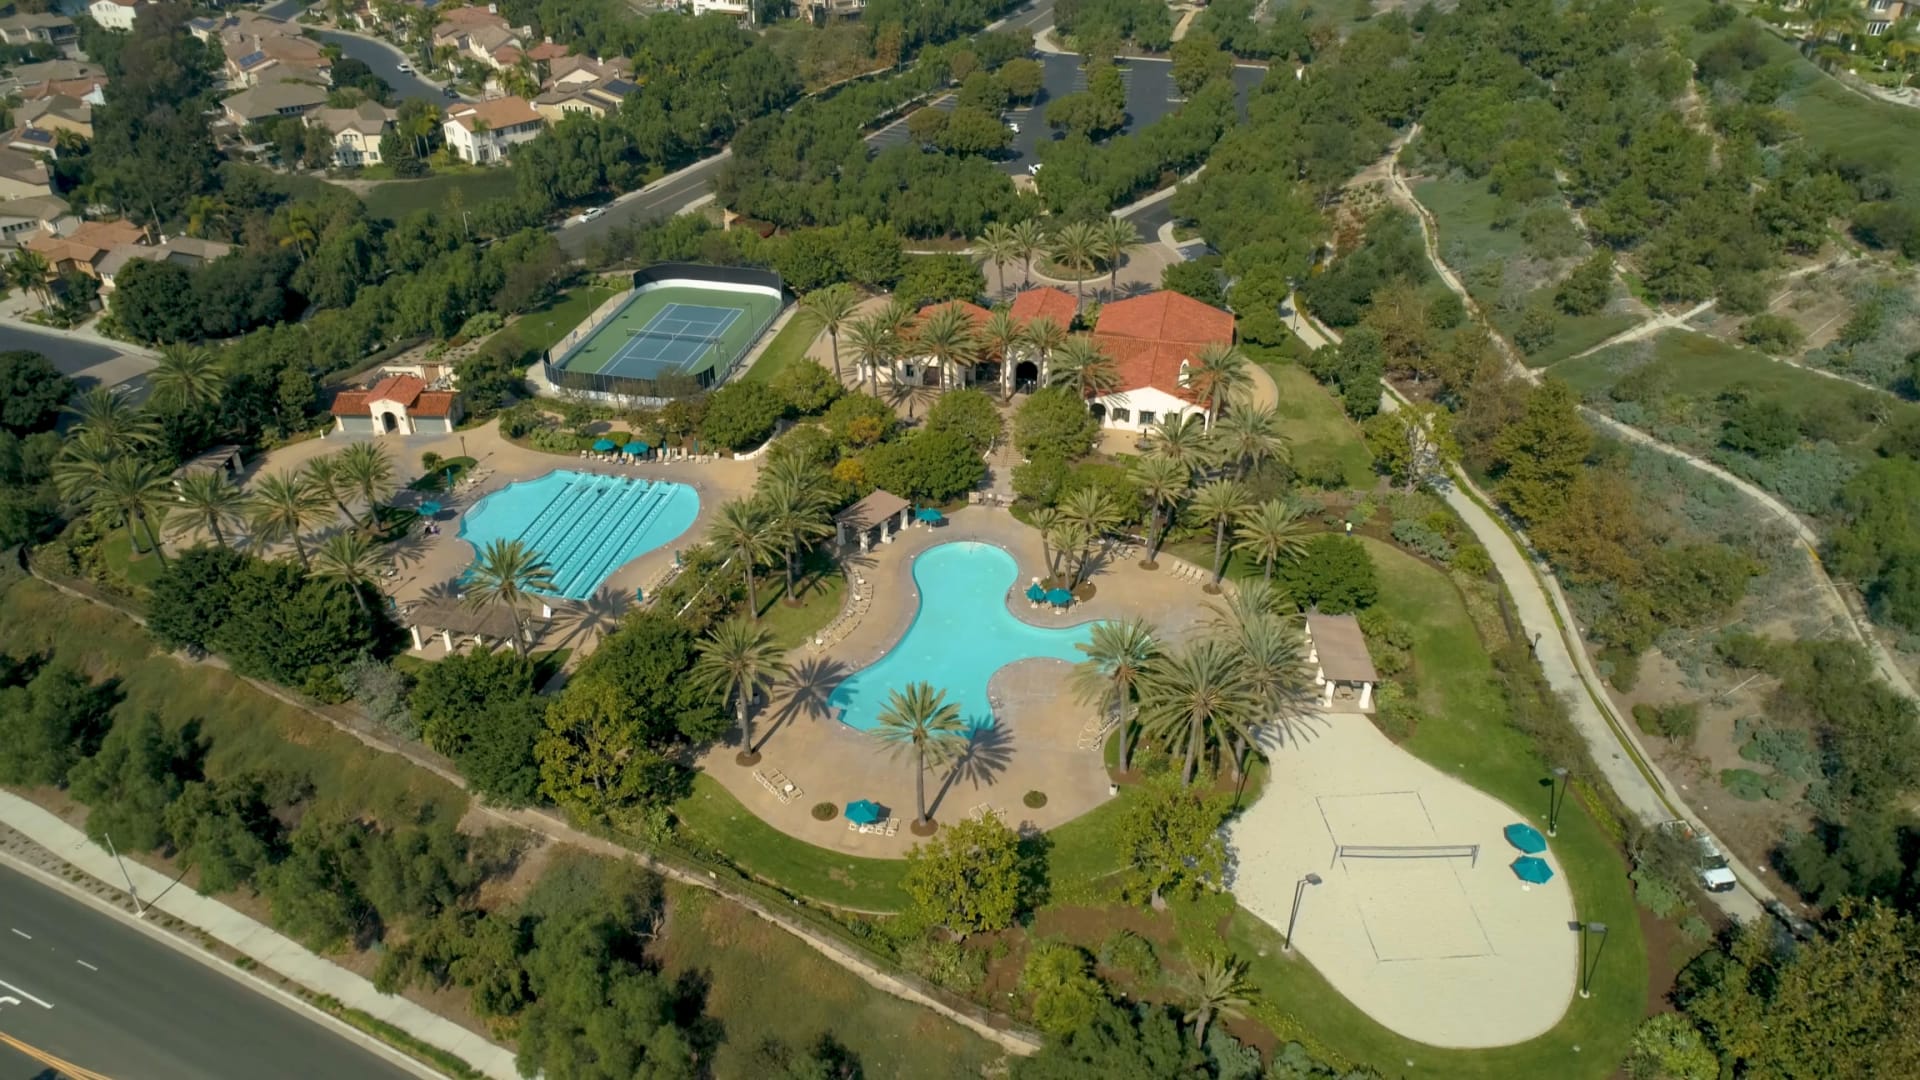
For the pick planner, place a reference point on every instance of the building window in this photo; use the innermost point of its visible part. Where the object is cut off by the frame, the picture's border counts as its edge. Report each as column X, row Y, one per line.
column 1119, row 414
column 1879, row 5
column 1185, row 368
column 1878, row 27
column 1146, row 417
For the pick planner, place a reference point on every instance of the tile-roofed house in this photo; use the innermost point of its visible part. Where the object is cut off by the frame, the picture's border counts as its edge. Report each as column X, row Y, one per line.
column 85, row 246
column 49, row 70
column 397, row 404
column 253, row 57
column 271, row 99
column 22, row 174
column 32, row 140
column 34, row 215
column 356, row 132
column 57, row 112
column 484, row 132
column 1154, row 340
column 1045, row 302
column 187, row 251
column 586, row 71
column 88, row 88
column 482, row 35
column 37, row 28
column 595, row 100
column 547, row 52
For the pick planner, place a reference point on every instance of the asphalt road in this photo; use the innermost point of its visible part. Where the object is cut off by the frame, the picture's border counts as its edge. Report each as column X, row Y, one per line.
column 385, row 60
column 88, row 363
column 78, row 984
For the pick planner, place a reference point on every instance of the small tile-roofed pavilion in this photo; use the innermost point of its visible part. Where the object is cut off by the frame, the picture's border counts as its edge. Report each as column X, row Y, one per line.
column 880, row 516
column 1337, row 652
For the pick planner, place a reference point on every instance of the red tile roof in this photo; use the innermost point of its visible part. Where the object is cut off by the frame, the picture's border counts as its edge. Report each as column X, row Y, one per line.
column 1148, row 363
column 547, row 50
column 1166, row 316
column 1045, row 303
column 433, row 403
column 978, row 314
column 397, row 388
column 350, row 403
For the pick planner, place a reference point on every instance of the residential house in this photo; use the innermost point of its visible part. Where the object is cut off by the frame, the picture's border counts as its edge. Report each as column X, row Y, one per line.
column 88, row 88
column 483, row 132
column 24, row 75
column 1882, row 14
column 261, row 53
column 210, row 28
column 32, row 216
column 481, row 34
column 37, row 28
column 573, row 72
column 271, row 99
column 188, row 251
column 57, row 112
column 84, row 247
column 32, row 140
column 356, row 132
column 1154, row 341
column 22, row 175
column 822, row 10
column 739, row 9
column 114, row 14
column 595, row 99
column 397, row 405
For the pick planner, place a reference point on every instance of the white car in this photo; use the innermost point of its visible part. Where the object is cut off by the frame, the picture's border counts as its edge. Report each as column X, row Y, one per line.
column 1013, row 127
column 405, row 69
column 593, row 213
column 1036, row 167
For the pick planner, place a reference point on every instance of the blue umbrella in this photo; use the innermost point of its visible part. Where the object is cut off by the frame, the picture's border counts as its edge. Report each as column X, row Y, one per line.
column 636, row 447
column 929, row 514
column 1035, row 593
column 1526, row 838
column 429, row 507
column 601, row 446
column 1531, row 870
column 865, row 812
column 1059, row 598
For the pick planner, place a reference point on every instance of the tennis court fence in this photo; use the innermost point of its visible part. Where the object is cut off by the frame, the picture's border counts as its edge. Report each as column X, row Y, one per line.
column 1470, row 852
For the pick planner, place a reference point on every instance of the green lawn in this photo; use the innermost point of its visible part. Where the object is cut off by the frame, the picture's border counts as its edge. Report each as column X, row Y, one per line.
column 761, row 982
column 820, row 589
column 711, row 814
column 449, row 471
column 140, row 569
column 395, row 199
column 789, row 346
column 540, row 329
column 1317, row 426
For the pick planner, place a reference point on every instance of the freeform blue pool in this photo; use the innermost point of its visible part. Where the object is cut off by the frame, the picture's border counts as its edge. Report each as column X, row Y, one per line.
column 961, row 635
column 584, row 525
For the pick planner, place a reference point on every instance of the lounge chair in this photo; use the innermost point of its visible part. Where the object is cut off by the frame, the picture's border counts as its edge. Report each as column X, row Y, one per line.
column 893, row 826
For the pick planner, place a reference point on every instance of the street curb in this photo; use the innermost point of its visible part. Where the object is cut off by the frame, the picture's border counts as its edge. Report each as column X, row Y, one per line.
column 291, row 1002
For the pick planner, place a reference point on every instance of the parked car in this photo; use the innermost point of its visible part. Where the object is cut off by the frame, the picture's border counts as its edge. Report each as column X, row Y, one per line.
column 1710, row 867
column 405, row 69
column 593, row 213
column 450, row 91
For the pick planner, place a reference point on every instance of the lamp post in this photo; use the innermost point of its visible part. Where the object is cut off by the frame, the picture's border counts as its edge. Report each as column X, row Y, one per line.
column 1556, row 798
column 1299, row 888
column 1586, row 971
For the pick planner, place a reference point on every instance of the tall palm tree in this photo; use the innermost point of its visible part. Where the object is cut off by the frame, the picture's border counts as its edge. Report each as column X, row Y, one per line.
column 1274, row 656
column 139, row 492
column 831, row 309
column 1163, row 482
column 1196, row 693
column 1219, row 371
column 284, row 506
column 81, row 464
column 187, row 376
column 366, row 471
column 209, row 501
column 1003, row 336
column 873, row 344
column 998, row 246
column 1046, row 520
column 1081, row 364
column 324, row 476
column 798, row 508
column 508, row 573
column 116, row 422
column 1220, row 989
column 946, row 336
column 29, row 270
column 738, row 660
column 1249, row 436
column 1076, row 248
column 742, row 530
column 1044, row 338
column 1092, row 512
column 1029, row 239
column 1117, row 237
column 1181, row 439
column 1833, row 19
column 1270, row 533
column 349, row 559
column 1117, row 652
column 1220, row 504
column 1901, row 43
column 920, row 722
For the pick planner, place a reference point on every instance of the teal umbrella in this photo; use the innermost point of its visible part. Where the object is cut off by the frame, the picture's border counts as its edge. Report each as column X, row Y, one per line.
column 865, row 812
column 429, row 508
column 601, row 446
column 1059, row 598
column 929, row 514
column 1532, row 870
column 1526, row 838
column 1035, row 593
column 637, row 447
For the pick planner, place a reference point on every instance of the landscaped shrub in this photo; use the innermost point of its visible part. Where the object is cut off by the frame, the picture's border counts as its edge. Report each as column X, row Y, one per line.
column 1678, row 720
column 1063, row 991
column 1389, row 641
column 1751, row 786
column 1789, row 751
column 1320, row 473
column 556, row 441
column 1334, row 573
column 1034, row 800
column 1128, row 952
column 1395, row 714
column 825, row 811
column 1772, row 333
column 944, row 962
column 1657, row 894
column 741, row 415
column 1424, row 540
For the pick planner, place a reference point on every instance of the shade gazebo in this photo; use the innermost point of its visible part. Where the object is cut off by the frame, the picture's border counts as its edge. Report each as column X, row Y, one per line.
column 1337, row 654
column 877, row 518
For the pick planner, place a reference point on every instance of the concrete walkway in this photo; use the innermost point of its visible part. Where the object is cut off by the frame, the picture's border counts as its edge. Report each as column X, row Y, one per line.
column 264, row 945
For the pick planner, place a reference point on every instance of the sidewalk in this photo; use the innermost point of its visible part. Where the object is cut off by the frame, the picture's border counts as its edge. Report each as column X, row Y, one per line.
column 269, row 948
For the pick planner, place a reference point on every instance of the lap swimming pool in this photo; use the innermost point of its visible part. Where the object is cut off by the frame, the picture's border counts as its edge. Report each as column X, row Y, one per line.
column 584, row 525
column 960, row 636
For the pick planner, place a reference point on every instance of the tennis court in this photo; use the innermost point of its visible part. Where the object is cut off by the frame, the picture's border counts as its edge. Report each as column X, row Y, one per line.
column 667, row 330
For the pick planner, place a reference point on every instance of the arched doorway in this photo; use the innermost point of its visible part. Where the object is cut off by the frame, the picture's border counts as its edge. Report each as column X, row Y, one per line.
column 389, row 423
column 1025, row 374
column 1099, row 413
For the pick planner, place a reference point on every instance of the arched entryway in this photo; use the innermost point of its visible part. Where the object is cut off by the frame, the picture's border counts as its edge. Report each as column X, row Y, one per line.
column 1025, row 374
column 1099, row 412
column 389, row 423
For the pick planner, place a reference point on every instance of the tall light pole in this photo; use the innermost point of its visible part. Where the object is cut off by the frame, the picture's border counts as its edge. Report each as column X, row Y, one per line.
column 1586, row 971
column 1556, row 798
column 1299, row 888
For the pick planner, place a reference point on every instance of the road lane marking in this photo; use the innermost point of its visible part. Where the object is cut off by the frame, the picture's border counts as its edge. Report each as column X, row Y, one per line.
column 86, row 965
column 37, row 1001
column 22, row 933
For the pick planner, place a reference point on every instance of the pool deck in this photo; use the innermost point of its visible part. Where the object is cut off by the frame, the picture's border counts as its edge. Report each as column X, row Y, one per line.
column 1036, row 745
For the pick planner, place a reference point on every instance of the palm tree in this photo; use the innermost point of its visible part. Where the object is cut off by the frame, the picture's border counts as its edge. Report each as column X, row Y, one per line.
column 116, row 422
column 324, row 476
column 743, row 532
column 999, row 247
column 1833, row 19
column 1249, row 436
column 29, row 270
column 1220, row 989
column 139, row 492
column 1003, row 336
column 1029, row 239
column 1273, row 655
column 873, row 344
column 1196, row 693
column 508, row 573
column 210, row 501
column 738, row 660
column 1118, row 651
column 1163, row 482
column 187, row 376
column 349, row 559
column 921, row 722
column 1117, row 237
column 366, row 471
column 1044, row 337
column 1220, row 504
column 1219, row 371
column 1076, row 248
column 946, row 337
column 830, row 309
column 283, row 506
column 81, row 464
column 1181, row 439
column 1901, row 43
column 797, row 505
column 1271, row 533
column 1084, row 366
column 1046, row 520
column 1090, row 510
